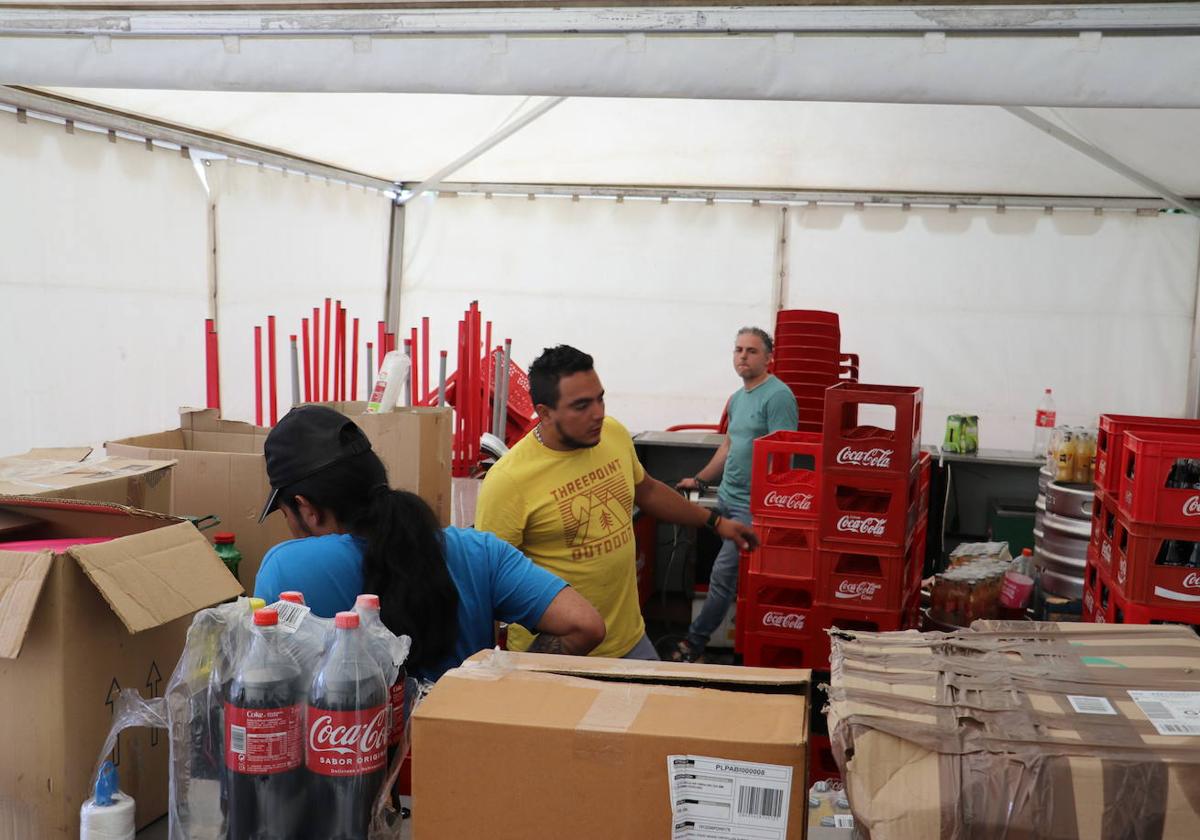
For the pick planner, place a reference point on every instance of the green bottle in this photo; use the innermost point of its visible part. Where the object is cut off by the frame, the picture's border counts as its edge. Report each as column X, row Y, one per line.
column 228, row 552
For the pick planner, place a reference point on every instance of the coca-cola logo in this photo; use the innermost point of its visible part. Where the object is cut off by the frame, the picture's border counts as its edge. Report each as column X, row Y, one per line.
column 1192, row 506
column 324, row 735
column 863, row 590
column 796, row 501
column 784, row 621
column 876, row 458
column 1089, row 601
column 1192, row 581
column 1106, row 552
column 868, row 526
column 1121, row 571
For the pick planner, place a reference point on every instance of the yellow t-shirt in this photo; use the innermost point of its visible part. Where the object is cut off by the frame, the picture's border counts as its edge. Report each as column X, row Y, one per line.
column 572, row 514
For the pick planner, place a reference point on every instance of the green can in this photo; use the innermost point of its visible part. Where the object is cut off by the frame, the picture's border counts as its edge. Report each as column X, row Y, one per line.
column 954, row 433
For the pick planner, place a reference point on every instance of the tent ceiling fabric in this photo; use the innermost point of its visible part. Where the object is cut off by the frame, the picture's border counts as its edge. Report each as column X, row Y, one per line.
column 678, row 142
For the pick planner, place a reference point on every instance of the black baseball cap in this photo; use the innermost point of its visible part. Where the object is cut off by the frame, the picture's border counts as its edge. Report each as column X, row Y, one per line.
column 308, row 439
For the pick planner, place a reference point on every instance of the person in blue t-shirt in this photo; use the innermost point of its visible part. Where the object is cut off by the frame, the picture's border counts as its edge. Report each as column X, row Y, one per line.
column 443, row 587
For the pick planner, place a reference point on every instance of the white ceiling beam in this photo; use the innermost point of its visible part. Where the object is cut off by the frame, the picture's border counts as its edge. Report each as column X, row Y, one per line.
column 1106, row 160
column 64, row 19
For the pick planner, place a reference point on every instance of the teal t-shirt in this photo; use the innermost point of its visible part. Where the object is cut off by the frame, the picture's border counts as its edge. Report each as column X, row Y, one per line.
column 769, row 407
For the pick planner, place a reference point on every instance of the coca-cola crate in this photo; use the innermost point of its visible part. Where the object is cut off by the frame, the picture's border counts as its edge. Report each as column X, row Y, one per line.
column 852, row 446
column 1156, row 566
column 818, row 317
column 1104, row 524
column 821, row 764
column 786, row 551
column 784, row 473
column 874, row 510
column 876, row 580
column 1110, row 442
column 1104, row 603
column 925, row 479
column 1150, row 461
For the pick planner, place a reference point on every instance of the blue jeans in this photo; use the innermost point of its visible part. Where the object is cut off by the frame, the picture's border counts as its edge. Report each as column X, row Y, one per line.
column 722, row 584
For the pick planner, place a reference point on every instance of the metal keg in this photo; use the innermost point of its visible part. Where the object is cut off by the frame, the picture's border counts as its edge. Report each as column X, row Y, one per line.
column 1061, row 535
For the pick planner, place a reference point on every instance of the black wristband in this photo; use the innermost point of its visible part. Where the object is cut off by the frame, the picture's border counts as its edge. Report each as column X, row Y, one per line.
column 714, row 520
column 701, row 483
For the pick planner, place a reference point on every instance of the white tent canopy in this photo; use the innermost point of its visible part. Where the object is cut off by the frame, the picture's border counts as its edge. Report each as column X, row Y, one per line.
column 966, row 248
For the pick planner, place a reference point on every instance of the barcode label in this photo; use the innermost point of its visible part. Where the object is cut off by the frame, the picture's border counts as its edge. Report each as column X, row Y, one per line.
column 843, row 821
column 290, row 615
column 1087, row 705
column 716, row 798
column 237, row 739
column 1171, row 712
column 760, row 802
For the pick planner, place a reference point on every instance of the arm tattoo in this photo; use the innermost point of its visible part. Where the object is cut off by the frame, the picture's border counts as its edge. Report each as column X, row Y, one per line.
column 547, row 643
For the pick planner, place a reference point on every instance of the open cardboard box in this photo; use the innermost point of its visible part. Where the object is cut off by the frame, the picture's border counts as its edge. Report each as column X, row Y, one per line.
column 220, row 468
column 78, row 626
column 519, row 745
column 63, row 473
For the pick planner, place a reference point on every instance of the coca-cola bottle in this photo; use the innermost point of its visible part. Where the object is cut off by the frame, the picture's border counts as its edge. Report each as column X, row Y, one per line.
column 347, row 735
column 367, row 607
column 264, row 740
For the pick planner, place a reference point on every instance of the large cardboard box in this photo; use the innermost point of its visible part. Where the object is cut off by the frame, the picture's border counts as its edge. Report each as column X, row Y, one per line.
column 220, row 468
column 76, row 627
column 62, row 473
column 1020, row 729
column 512, row 746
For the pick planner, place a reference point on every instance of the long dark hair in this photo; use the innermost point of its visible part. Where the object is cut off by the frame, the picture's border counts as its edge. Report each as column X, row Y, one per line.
column 404, row 561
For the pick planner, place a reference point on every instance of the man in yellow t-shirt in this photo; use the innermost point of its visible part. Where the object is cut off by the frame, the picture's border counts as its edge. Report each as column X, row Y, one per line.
column 565, row 494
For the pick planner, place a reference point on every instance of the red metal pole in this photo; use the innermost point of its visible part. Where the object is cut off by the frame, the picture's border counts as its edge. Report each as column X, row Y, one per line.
column 316, row 351
column 485, row 411
column 337, row 350
column 344, row 359
column 307, row 360
column 408, row 352
column 216, row 351
column 354, row 362
column 381, row 346
column 325, row 364
column 425, row 358
column 258, row 413
column 461, row 398
column 209, row 365
column 272, row 396
column 414, row 379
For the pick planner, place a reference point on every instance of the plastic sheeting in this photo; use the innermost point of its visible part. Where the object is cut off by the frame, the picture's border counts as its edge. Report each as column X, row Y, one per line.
column 102, row 287
column 984, row 310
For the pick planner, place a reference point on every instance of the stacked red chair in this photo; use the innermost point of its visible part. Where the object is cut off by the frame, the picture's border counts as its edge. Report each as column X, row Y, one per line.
column 809, row 358
column 1144, row 558
column 853, row 561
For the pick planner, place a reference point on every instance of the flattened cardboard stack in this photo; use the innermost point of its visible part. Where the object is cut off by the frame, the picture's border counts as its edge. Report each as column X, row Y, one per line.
column 62, row 473
column 1021, row 729
column 514, row 746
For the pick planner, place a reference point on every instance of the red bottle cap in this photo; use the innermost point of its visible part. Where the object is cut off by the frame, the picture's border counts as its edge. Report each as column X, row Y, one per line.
column 346, row 620
column 292, row 597
column 266, row 617
column 368, row 602
column 223, row 538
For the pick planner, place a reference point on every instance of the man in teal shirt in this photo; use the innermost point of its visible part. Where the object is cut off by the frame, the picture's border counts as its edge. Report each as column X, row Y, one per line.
column 762, row 405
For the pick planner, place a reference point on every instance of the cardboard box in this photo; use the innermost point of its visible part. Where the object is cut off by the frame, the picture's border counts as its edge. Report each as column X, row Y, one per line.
column 1019, row 729
column 512, row 746
column 64, row 474
column 77, row 627
column 220, row 469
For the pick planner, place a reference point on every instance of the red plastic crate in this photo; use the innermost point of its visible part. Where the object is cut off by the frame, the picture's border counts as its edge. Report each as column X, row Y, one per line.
column 806, row 316
column 821, row 763
column 805, row 342
column 877, row 580
column 1110, row 442
column 1104, row 524
column 871, row 449
column 1103, row 602
column 785, row 469
column 875, row 510
column 1138, row 576
column 1146, row 463
column 925, row 479
column 786, row 552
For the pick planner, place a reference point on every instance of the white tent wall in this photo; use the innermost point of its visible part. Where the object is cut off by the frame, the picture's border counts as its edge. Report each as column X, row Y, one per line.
column 284, row 244
column 985, row 310
column 102, row 286
column 654, row 292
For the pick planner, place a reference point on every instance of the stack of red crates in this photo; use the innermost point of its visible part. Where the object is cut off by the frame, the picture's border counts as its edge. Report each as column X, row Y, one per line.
column 1143, row 564
column 840, row 543
column 809, row 358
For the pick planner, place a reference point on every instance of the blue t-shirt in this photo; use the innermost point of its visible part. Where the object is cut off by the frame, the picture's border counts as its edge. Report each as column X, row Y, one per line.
column 769, row 407
column 495, row 582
